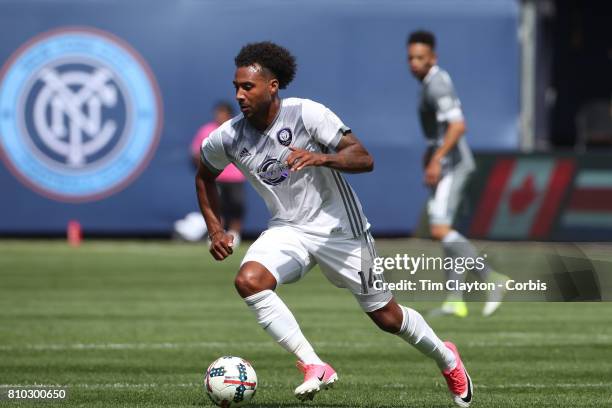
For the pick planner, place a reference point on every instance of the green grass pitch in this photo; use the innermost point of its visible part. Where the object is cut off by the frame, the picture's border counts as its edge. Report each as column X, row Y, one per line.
column 137, row 323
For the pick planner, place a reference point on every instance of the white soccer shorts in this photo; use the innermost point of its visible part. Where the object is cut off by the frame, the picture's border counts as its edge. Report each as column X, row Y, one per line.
column 446, row 196
column 346, row 262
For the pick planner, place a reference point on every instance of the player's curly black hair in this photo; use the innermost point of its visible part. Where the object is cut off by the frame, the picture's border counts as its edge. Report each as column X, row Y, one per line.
column 423, row 37
column 273, row 57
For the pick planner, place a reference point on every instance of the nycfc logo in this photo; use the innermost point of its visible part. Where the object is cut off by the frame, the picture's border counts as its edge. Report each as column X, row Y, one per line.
column 272, row 172
column 72, row 127
column 284, row 136
column 79, row 114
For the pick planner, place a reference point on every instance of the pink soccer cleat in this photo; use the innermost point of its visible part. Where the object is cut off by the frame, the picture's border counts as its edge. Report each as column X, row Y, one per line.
column 317, row 377
column 458, row 380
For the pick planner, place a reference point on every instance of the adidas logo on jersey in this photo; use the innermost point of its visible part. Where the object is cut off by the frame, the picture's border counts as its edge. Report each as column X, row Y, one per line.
column 244, row 153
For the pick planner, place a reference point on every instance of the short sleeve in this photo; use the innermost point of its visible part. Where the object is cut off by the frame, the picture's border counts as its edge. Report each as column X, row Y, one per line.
column 445, row 99
column 212, row 152
column 322, row 124
column 203, row 133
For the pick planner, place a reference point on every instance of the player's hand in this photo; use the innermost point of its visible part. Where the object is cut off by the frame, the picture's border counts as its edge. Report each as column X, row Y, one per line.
column 221, row 245
column 433, row 172
column 300, row 158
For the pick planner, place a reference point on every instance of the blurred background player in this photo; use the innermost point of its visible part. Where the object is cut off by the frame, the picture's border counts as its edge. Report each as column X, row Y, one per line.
column 448, row 163
column 230, row 184
column 292, row 151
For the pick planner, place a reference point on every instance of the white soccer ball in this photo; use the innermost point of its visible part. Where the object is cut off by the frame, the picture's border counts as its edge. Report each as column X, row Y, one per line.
column 230, row 382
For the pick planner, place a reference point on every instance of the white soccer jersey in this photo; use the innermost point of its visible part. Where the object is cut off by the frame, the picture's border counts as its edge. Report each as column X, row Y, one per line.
column 440, row 106
column 317, row 200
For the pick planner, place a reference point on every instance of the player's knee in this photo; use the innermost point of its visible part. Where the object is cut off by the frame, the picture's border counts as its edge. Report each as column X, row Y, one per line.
column 389, row 325
column 439, row 232
column 386, row 321
column 246, row 282
column 251, row 280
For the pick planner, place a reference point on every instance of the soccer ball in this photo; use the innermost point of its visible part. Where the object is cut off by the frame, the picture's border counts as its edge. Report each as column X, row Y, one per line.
column 230, row 382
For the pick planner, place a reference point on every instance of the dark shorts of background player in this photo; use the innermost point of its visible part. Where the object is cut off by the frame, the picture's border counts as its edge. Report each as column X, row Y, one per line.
column 232, row 200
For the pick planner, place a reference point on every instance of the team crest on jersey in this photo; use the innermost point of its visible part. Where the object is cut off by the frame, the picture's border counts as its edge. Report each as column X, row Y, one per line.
column 272, row 171
column 80, row 114
column 284, row 136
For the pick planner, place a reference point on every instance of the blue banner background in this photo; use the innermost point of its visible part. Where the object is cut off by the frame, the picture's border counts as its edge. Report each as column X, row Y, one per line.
column 351, row 57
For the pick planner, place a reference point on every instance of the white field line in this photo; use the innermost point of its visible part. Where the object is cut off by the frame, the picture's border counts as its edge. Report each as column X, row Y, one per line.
column 546, row 386
column 396, row 385
column 522, row 385
column 506, row 339
column 104, row 386
column 131, row 346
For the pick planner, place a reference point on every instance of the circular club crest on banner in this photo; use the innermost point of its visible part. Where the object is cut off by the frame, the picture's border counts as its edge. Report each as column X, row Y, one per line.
column 80, row 114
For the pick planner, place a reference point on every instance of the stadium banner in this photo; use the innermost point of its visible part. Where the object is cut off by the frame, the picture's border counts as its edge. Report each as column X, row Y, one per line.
column 540, row 197
column 99, row 100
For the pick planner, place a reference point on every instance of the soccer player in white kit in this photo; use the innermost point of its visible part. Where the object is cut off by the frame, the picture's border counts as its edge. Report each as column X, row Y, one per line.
column 448, row 165
column 293, row 152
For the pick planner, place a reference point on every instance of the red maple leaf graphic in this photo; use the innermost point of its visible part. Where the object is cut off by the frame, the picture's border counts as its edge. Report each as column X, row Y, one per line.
column 523, row 196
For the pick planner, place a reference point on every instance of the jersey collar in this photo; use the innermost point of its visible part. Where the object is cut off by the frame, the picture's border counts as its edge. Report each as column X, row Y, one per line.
column 271, row 125
column 432, row 71
column 280, row 108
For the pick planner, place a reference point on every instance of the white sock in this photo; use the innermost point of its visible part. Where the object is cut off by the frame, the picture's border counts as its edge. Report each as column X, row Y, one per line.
column 277, row 320
column 456, row 245
column 417, row 332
